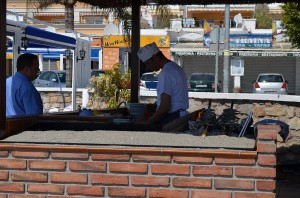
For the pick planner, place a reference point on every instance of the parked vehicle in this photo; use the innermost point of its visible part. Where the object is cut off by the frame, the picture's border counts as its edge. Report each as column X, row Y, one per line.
column 54, row 78
column 149, row 81
column 270, row 83
column 202, row 82
column 97, row 72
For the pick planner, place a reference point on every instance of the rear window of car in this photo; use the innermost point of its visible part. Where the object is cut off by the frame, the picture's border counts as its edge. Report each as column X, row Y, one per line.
column 62, row 77
column 208, row 77
column 270, row 78
column 149, row 77
column 97, row 73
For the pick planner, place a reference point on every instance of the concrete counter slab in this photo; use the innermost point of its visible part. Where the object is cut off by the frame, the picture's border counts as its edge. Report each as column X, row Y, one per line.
column 132, row 138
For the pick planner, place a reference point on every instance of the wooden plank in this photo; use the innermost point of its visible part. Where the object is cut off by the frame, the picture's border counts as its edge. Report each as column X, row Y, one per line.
column 16, row 125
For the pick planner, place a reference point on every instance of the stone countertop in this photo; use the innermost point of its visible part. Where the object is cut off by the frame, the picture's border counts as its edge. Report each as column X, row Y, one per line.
column 132, row 138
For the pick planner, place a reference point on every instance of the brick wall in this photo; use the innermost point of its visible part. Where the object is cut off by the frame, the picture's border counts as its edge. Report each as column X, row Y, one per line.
column 35, row 170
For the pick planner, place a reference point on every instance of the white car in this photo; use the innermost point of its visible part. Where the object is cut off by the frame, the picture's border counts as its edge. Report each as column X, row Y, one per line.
column 270, row 83
column 54, row 78
column 149, row 81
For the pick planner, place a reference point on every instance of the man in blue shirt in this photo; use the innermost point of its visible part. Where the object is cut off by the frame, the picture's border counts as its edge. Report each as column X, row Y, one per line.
column 22, row 98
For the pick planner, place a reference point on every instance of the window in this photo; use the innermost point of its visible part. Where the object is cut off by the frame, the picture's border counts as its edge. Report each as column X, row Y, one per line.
column 93, row 20
column 45, row 76
column 270, row 78
column 62, row 77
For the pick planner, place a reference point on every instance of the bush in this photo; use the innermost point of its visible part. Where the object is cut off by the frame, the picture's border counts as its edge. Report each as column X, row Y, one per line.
column 112, row 88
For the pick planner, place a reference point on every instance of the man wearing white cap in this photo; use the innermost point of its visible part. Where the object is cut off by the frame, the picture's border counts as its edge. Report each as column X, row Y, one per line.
column 172, row 89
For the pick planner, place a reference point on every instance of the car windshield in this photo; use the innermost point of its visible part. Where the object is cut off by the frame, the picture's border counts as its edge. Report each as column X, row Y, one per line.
column 97, row 73
column 270, row 78
column 150, row 77
column 197, row 77
column 62, row 77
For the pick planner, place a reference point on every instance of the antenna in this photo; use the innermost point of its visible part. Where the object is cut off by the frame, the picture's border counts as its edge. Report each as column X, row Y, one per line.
column 111, row 29
column 238, row 19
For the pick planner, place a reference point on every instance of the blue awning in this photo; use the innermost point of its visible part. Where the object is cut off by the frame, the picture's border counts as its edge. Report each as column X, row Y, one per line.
column 95, row 54
column 45, row 38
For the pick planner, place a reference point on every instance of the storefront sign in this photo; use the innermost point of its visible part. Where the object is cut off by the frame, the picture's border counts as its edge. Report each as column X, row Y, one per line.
column 250, row 40
column 96, row 42
column 266, row 54
column 245, row 40
column 110, row 57
column 240, row 53
column 125, row 41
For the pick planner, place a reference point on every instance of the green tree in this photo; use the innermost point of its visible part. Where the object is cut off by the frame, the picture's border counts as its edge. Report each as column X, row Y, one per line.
column 111, row 88
column 291, row 22
column 69, row 24
column 119, row 13
column 164, row 15
column 263, row 19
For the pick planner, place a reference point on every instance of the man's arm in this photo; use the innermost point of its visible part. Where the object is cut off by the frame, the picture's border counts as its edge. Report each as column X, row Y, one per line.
column 162, row 110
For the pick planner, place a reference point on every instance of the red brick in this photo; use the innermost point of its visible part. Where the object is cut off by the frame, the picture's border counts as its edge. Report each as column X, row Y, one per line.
column 2, row 196
column 26, row 196
column 126, row 192
column 268, row 127
column 85, row 190
column 87, row 166
column 210, row 194
column 192, row 160
column 47, row 165
column 234, row 161
column 168, row 193
column 253, row 195
column 30, row 154
column 150, row 181
column 12, row 164
column 45, row 188
column 265, row 185
column 230, row 184
column 266, row 160
column 110, row 157
column 128, row 168
column 4, row 175
column 57, row 155
column 267, row 135
column 266, row 147
column 11, row 187
column 151, row 158
column 170, row 169
column 212, row 170
column 109, row 179
column 4, row 153
column 54, row 196
column 255, row 172
column 29, row 176
column 68, row 178
column 187, row 182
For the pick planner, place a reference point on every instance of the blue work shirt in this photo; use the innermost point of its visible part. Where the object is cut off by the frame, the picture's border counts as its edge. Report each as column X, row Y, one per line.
column 9, row 106
column 25, row 99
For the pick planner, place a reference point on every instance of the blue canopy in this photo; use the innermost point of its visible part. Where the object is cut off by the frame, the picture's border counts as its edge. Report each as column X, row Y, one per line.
column 95, row 54
column 38, row 36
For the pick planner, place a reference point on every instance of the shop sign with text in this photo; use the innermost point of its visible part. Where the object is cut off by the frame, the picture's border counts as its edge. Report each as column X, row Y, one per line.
column 125, row 41
column 250, row 40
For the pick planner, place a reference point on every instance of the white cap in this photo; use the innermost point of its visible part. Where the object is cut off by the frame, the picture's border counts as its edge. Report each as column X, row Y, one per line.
column 146, row 52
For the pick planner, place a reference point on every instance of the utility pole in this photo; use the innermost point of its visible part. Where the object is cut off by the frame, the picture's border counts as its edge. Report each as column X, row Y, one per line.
column 226, row 49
